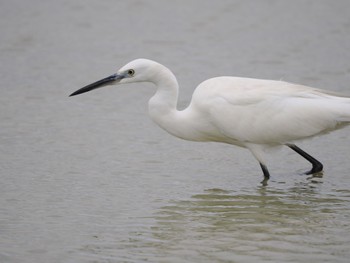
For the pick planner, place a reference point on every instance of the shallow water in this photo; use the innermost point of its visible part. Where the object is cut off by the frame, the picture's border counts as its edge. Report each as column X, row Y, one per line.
column 92, row 179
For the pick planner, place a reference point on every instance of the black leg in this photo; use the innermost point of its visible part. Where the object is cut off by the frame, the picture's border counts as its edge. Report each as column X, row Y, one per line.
column 265, row 171
column 316, row 165
column 266, row 174
column 257, row 151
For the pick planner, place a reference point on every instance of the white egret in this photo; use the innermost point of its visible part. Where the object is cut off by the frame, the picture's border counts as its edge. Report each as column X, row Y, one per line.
column 251, row 113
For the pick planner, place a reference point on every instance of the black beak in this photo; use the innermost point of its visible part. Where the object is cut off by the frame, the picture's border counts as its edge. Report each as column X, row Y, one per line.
column 98, row 84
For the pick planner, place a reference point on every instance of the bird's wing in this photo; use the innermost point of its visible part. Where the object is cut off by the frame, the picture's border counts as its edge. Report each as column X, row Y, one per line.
column 271, row 112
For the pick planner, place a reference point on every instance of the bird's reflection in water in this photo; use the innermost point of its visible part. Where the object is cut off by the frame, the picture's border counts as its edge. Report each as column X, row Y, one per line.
column 264, row 223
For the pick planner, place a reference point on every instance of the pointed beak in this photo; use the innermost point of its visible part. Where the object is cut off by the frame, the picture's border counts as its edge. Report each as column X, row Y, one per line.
column 99, row 84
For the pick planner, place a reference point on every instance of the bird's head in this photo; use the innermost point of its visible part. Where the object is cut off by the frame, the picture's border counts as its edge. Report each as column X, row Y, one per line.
column 138, row 70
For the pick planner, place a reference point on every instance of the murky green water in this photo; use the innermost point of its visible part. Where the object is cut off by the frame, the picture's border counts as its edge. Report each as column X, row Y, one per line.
column 92, row 179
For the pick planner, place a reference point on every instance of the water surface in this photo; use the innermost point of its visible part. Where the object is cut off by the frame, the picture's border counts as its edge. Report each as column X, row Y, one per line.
column 92, row 179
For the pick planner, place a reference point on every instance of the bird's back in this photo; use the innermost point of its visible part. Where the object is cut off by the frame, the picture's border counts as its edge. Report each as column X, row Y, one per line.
column 267, row 111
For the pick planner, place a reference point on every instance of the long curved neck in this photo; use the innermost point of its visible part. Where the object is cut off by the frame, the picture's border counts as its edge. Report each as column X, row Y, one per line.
column 166, row 96
column 163, row 111
column 163, row 105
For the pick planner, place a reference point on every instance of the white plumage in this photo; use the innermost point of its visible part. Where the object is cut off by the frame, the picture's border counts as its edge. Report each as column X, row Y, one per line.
column 246, row 112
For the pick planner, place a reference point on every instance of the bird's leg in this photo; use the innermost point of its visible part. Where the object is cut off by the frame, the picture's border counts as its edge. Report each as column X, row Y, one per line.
column 266, row 174
column 265, row 171
column 316, row 165
column 257, row 151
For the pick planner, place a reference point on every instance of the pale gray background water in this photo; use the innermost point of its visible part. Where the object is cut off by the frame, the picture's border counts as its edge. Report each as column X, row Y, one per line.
column 92, row 179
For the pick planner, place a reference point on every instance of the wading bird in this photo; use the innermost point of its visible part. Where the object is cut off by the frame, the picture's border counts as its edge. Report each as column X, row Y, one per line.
column 251, row 113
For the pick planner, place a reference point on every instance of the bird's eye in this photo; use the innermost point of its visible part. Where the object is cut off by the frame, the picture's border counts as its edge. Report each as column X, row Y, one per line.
column 131, row 72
